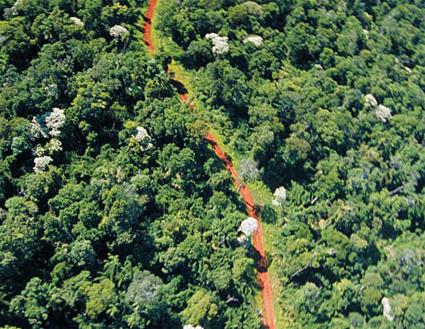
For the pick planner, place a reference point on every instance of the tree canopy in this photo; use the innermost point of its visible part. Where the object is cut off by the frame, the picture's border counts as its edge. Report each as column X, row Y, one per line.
column 327, row 101
column 114, row 213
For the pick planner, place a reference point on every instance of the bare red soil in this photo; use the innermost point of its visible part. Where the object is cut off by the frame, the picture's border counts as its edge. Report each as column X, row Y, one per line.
column 263, row 277
column 147, row 26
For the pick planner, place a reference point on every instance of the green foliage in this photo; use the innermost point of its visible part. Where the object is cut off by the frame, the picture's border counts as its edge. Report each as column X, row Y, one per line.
column 296, row 104
column 200, row 308
column 100, row 298
column 133, row 223
column 122, row 232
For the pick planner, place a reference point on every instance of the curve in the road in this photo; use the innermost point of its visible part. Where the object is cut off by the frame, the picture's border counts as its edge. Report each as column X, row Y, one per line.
column 263, row 277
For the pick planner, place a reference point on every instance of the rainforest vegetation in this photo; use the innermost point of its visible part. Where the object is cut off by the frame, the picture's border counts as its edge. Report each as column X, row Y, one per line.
column 115, row 212
column 327, row 98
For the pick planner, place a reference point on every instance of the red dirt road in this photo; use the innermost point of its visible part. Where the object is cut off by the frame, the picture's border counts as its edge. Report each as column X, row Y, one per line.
column 269, row 321
column 147, row 26
column 263, row 277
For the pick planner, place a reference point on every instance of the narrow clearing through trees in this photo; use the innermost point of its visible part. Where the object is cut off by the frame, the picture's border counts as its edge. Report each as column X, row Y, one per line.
column 263, row 277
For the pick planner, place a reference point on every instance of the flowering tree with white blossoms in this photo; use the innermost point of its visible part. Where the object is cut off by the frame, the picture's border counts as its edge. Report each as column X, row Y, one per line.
column 77, row 21
column 143, row 138
column 279, row 196
column 256, row 40
column 248, row 226
column 51, row 125
column 384, row 113
column 370, row 100
column 220, row 44
column 118, row 32
column 387, row 311
column 41, row 163
column 55, row 121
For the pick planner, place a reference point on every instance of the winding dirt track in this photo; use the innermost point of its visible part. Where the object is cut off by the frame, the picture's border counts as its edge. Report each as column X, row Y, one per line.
column 263, row 277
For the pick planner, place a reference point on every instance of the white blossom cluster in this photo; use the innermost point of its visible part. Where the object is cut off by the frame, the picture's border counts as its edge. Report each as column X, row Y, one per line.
column 118, row 32
column 248, row 226
column 77, row 21
column 220, row 44
column 49, row 125
column 189, row 326
column 387, row 311
column 143, row 138
column 256, row 40
column 41, row 163
column 370, row 100
column 55, row 121
column 382, row 112
column 279, row 196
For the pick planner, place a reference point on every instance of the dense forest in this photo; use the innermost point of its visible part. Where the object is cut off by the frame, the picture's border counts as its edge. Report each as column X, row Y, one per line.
column 324, row 101
column 115, row 212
